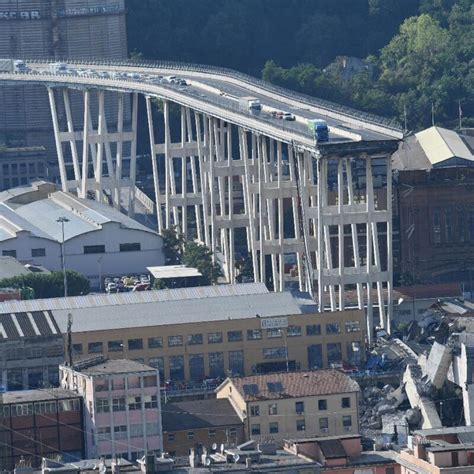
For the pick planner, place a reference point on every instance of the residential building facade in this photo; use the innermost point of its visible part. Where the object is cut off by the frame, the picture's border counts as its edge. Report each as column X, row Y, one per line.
column 289, row 405
column 40, row 423
column 439, row 451
column 121, row 406
column 200, row 424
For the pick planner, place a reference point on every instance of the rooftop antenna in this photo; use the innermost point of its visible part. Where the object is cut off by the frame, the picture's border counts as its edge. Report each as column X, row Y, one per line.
column 69, row 339
column 460, row 114
column 432, row 114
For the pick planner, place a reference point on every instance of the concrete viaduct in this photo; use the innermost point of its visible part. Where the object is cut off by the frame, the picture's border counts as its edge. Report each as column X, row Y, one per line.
column 232, row 170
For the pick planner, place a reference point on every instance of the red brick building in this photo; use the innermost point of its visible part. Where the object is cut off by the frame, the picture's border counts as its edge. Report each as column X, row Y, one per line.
column 434, row 175
column 40, row 423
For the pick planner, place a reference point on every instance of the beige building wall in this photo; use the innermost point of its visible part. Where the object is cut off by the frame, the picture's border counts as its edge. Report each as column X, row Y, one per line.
column 135, row 343
column 314, row 415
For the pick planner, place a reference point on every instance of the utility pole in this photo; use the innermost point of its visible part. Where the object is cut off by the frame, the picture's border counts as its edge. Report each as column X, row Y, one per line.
column 62, row 220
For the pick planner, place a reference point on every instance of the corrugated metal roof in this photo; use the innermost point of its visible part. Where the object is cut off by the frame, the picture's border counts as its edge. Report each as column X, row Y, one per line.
column 162, row 313
column 174, row 271
column 137, row 297
column 441, row 144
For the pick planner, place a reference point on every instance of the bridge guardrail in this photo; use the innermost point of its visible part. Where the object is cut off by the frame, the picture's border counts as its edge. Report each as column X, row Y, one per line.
column 327, row 105
column 140, row 86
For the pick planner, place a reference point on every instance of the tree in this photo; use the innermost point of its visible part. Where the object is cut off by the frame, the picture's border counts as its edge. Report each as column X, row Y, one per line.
column 200, row 257
column 173, row 245
column 50, row 285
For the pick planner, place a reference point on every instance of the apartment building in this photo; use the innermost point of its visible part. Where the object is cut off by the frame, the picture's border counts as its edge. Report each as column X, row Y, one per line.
column 290, row 405
column 121, row 406
column 200, row 423
column 40, row 423
column 191, row 334
column 439, row 451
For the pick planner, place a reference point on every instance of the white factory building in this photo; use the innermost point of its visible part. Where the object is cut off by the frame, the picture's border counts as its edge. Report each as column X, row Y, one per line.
column 99, row 241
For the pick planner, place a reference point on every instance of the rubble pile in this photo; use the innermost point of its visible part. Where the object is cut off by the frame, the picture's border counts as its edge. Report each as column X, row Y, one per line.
column 382, row 417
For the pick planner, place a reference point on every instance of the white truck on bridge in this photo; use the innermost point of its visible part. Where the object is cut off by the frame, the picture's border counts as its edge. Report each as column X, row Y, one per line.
column 58, row 68
column 249, row 104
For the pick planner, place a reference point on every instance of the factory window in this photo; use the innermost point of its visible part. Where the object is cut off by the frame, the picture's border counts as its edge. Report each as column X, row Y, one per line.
column 22, row 168
column 461, row 225
column 322, row 404
column 31, row 168
column 45, row 407
column 313, row 330
column 151, row 402
column 38, row 252
column 448, row 224
column 437, row 225
column 176, row 367
column 234, row 336
column 273, row 427
column 95, row 347
column 195, row 339
column 135, row 403
column 216, row 364
column 255, row 429
column 41, row 168
column 333, row 328
column 53, row 351
column 9, row 253
column 170, row 437
column 299, row 407
column 175, row 341
column 274, row 333
column 390, row 470
column 293, row 331
column 94, row 249
column 77, row 349
column 211, row 433
column 254, row 334
column 236, row 363
column 102, row 405
column 132, row 247
column 69, row 405
column 196, row 367
column 135, row 344
column 155, row 342
column 354, row 352
column 157, row 363
column 190, row 435
column 115, row 346
column 334, row 353
column 275, row 353
column 346, row 402
column 22, row 409
column 300, row 425
column 118, row 404
column 214, row 337
column 352, row 326
column 104, row 433
column 120, row 431
column 254, row 410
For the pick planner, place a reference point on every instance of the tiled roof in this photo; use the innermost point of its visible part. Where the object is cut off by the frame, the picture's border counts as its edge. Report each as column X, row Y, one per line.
column 196, row 414
column 294, row 384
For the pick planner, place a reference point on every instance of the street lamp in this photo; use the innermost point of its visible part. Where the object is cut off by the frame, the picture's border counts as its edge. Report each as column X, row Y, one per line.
column 62, row 220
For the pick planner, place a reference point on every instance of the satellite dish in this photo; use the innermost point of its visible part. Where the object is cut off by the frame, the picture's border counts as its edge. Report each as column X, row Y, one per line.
column 214, row 446
column 207, row 462
column 236, row 458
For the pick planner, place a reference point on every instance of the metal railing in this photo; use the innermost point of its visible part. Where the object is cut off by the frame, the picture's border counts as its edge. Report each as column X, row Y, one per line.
column 391, row 124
